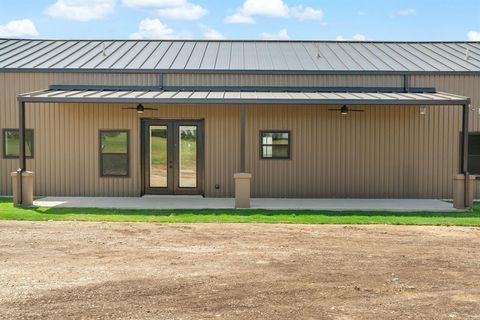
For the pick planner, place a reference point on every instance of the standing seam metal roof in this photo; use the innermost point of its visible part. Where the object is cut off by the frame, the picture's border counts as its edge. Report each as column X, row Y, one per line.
column 252, row 56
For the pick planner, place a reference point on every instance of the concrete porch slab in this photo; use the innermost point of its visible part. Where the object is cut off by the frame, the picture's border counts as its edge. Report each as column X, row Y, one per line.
column 198, row 202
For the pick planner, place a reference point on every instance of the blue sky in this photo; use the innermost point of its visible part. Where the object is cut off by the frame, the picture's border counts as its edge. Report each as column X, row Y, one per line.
column 243, row 19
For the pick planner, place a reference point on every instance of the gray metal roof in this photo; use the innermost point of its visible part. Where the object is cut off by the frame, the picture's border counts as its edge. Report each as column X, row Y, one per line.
column 254, row 97
column 237, row 56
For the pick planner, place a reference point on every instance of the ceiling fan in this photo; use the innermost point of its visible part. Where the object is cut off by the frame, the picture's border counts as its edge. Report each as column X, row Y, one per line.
column 140, row 108
column 345, row 110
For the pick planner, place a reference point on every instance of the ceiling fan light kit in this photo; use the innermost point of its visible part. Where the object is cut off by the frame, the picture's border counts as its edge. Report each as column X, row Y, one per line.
column 344, row 110
column 140, row 108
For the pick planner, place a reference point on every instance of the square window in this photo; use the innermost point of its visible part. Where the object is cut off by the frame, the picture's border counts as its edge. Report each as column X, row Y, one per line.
column 275, row 144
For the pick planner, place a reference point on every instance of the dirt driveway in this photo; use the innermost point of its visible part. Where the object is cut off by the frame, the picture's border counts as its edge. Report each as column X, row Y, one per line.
column 63, row 270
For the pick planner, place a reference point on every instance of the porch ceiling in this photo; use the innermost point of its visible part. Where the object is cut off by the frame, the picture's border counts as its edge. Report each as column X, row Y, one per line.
column 242, row 97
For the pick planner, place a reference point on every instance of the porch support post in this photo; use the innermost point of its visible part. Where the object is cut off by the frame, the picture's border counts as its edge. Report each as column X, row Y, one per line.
column 464, row 157
column 22, row 179
column 22, row 185
column 21, row 129
column 242, row 179
column 21, row 151
column 242, row 138
column 466, row 175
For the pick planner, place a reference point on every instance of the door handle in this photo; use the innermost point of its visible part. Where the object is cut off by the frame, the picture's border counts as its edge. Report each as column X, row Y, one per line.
column 170, row 164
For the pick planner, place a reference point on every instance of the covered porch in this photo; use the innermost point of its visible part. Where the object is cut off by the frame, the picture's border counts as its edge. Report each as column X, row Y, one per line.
column 236, row 99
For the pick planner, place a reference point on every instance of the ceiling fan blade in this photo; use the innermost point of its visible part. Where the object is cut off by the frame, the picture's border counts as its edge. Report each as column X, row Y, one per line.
column 150, row 108
column 134, row 108
column 334, row 110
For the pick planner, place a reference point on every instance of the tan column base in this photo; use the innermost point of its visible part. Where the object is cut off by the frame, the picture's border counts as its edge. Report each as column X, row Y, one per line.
column 458, row 191
column 27, row 186
column 242, row 190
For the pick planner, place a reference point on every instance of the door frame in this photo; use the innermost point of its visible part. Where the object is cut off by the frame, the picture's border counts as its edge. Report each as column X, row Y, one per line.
column 172, row 156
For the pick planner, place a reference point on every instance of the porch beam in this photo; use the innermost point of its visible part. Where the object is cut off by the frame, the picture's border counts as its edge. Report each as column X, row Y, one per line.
column 406, row 85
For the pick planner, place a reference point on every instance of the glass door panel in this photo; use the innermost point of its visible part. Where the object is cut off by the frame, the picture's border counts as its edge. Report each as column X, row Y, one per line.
column 158, row 156
column 187, row 156
column 173, row 156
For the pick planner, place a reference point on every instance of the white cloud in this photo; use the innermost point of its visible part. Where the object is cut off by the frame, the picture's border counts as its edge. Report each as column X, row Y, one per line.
column 187, row 11
column 406, row 12
column 153, row 3
column 239, row 18
column 280, row 35
column 306, row 13
column 359, row 37
column 153, row 29
column 18, row 28
column 81, row 10
column 356, row 37
column 170, row 9
column 473, row 36
column 210, row 33
column 272, row 8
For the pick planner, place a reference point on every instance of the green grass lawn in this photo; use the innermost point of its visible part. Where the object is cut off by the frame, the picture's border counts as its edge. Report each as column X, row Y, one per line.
column 8, row 212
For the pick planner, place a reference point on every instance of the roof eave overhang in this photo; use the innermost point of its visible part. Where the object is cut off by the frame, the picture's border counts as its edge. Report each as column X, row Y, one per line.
column 249, row 72
column 460, row 101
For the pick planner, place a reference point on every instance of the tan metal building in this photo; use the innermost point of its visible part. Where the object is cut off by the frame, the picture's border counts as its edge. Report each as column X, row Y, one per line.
column 307, row 119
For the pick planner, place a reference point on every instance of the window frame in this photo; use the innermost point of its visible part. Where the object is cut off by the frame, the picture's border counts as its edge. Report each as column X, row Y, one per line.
column 100, row 153
column 289, row 145
column 470, row 133
column 4, row 145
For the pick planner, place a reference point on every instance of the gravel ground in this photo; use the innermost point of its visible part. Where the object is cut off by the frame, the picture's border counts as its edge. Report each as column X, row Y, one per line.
column 82, row 270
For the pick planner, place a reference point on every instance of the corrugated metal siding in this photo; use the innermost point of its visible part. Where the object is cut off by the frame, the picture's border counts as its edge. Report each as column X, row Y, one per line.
column 209, row 79
column 459, row 84
column 66, row 137
column 384, row 152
